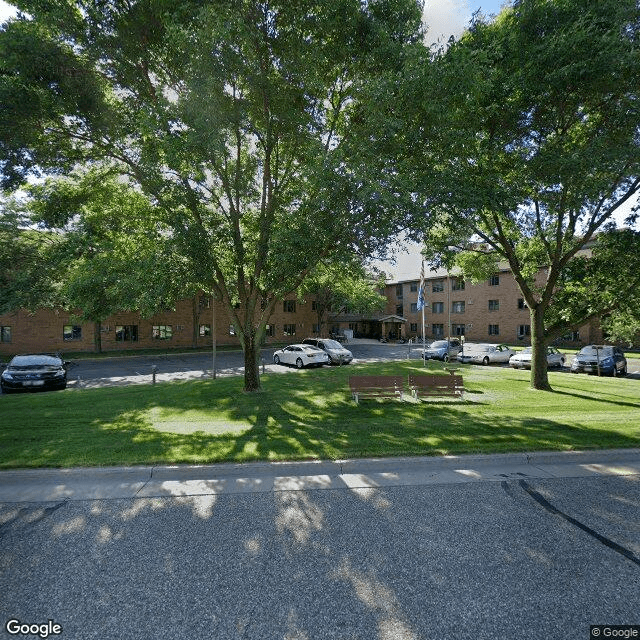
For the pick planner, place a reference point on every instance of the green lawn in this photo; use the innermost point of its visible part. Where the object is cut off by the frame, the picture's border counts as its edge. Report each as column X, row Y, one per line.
column 310, row 415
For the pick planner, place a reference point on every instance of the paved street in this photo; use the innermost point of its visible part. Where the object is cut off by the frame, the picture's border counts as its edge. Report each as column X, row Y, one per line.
column 485, row 547
column 190, row 366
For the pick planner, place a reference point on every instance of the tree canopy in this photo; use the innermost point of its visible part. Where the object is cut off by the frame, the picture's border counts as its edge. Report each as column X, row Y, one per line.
column 525, row 141
column 232, row 117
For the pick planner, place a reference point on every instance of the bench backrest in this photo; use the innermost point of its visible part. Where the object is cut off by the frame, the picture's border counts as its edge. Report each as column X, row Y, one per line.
column 436, row 381
column 373, row 382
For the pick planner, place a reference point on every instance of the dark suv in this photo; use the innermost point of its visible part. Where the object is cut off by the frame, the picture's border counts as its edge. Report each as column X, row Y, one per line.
column 610, row 360
column 336, row 352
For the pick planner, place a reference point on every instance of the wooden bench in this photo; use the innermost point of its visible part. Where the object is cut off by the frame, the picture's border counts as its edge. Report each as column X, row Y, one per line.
column 436, row 385
column 376, row 387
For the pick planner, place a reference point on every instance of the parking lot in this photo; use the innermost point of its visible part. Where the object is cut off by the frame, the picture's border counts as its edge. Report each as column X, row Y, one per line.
column 191, row 366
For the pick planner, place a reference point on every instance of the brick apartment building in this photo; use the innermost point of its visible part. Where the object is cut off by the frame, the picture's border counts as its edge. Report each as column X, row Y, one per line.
column 490, row 311
column 188, row 326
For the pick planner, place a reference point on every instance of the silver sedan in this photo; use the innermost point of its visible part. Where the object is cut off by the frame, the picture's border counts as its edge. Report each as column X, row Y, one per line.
column 301, row 355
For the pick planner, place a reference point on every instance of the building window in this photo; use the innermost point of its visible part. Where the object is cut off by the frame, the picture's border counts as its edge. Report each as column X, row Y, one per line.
column 414, row 287
column 232, row 330
column 457, row 329
column 289, row 329
column 457, row 306
column 399, row 310
column 524, row 330
column 399, row 291
column 127, row 333
column 437, row 286
column 289, row 306
column 457, row 284
column 414, row 307
column 437, row 330
column 494, row 330
column 494, row 280
column 494, row 305
column 413, row 327
column 205, row 302
column 269, row 330
column 71, row 332
column 205, row 330
column 437, row 307
column 162, row 332
column 5, row 334
column 522, row 304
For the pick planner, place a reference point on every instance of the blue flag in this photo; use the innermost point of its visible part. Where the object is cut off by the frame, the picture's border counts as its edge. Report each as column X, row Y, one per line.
column 421, row 289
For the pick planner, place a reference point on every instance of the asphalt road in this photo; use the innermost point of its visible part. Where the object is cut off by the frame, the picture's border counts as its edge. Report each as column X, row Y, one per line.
column 128, row 370
column 520, row 558
column 186, row 366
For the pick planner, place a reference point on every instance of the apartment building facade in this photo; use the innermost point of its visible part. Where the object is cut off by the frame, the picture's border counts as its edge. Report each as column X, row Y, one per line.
column 189, row 325
column 490, row 311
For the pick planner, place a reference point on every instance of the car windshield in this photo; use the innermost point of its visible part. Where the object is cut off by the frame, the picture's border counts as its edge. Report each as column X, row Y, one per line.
column 439, row 344
column 525, row 350
column 332, row 344
column 35, row 361
column 592, row 351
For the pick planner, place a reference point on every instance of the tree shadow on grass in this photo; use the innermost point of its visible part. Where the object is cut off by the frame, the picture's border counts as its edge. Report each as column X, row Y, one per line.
column 291, row 419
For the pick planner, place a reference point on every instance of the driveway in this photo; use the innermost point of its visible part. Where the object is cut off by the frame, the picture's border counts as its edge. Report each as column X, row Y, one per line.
column 190, row 366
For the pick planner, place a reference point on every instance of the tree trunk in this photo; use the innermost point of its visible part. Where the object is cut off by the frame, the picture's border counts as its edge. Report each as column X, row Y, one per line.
column 539, row 374
column 97, row 337
column 251, row 365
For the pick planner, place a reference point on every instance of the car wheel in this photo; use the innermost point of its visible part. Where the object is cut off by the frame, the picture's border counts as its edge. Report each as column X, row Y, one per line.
column 485, row 360
column 624, row 371
column 561, row 363
column 614, row 373
column 276, row 359
column 299, row 363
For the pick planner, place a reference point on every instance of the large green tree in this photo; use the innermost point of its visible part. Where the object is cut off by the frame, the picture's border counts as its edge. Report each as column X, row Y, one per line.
column 529, row 129
column 232, row 116
column 348, row 285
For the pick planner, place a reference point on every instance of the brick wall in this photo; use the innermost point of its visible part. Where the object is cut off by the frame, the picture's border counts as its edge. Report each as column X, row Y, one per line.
column 476, row 308
column 43, row 330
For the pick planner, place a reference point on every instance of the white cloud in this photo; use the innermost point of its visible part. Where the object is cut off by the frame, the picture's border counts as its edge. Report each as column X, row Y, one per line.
column 6, row 11
column 445, row 18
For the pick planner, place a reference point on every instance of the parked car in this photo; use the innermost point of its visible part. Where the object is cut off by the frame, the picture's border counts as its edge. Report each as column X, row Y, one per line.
column 611, row 360
column 522, row 359
column 34, row 372
column 442, row 350
column 336, row 352
column 485, row 353
column 301, row 355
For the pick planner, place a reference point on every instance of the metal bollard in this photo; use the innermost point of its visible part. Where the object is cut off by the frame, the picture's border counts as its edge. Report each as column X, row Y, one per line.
column 154, row 370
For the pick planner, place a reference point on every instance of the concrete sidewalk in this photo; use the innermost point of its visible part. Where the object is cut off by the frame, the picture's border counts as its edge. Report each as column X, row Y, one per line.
column 41, row 485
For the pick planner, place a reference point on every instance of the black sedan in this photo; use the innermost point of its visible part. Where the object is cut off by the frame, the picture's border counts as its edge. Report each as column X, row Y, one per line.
column 33, row 373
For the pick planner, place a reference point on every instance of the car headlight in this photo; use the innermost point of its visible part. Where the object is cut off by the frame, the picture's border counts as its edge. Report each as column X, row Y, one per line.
column 6, row 375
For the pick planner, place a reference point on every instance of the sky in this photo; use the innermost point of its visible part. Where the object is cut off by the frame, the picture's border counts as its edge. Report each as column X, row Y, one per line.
column 444, row 18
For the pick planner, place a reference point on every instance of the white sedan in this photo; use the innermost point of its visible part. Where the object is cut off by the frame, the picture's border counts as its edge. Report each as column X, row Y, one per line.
column 485, row 353
column 522, row 359
column 301, row 355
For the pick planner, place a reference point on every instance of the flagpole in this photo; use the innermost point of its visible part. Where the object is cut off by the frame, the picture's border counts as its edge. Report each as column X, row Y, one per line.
column 421, row 302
